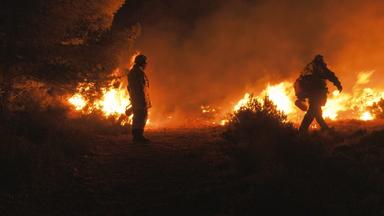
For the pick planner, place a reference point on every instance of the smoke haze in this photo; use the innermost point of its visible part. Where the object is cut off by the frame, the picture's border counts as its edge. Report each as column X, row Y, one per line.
column 212, row 52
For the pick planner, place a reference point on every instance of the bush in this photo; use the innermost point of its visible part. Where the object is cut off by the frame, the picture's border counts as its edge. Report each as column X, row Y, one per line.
column 263, row 138
column 257, row 123
column 286, row 169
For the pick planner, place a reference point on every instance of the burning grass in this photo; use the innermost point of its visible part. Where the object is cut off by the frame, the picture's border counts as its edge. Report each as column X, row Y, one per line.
column 362, row 103
column 111, row 100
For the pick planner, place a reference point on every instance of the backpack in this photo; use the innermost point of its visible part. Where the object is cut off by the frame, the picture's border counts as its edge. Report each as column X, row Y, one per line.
column 304, row 85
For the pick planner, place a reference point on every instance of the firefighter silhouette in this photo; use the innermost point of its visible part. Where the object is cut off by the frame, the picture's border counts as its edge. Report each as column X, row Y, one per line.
column 312, row 85
column 138, row 85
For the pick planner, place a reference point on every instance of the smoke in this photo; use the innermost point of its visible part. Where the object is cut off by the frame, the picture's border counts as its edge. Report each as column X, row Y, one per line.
column 212, row 52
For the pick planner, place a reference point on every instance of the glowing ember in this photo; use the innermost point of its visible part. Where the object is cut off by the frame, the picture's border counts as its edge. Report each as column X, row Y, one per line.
column 207, row 109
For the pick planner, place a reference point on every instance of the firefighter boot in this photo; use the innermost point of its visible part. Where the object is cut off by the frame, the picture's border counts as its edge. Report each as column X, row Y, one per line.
column 143, row 139
column 135, row 136
column 138, row 137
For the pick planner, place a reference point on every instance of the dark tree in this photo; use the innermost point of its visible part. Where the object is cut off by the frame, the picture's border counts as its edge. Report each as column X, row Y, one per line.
column 60, row 41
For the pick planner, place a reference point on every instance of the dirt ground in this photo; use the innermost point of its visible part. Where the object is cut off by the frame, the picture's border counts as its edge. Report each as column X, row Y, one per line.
column 173, row 174
column 177, row 173
column 183, row 172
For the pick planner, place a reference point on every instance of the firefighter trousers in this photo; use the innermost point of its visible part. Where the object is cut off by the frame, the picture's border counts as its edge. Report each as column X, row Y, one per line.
column 139, row 120
column 314, row 112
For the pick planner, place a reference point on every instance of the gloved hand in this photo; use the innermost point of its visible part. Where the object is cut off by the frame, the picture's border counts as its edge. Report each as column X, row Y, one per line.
column 340, row 88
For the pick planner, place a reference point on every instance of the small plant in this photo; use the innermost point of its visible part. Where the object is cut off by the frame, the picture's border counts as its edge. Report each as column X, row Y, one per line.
column 258, row 121
column 262, row 137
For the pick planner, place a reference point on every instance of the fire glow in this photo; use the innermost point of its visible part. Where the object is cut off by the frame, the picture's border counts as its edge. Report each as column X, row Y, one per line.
column 78, row 101
column 111, row 101
column 355, row 105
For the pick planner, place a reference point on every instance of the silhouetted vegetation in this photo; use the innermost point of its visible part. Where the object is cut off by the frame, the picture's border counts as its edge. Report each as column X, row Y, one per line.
column 46, row 156
column 254, row 122
column 377, row 109
column 316, row 174
column 263, row 138
column 60, row 43
column 52, row 163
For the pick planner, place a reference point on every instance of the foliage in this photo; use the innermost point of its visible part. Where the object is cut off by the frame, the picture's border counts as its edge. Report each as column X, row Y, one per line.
column 47, row 22
column 60, row 43
column 263, row 139
column 259, row 122
column 340, row 169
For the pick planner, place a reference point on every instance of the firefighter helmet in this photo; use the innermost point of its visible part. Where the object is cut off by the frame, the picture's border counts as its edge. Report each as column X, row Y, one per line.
column 140, row 59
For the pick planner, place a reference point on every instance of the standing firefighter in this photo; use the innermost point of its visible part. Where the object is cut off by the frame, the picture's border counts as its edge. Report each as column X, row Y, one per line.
column 312, row 85
column 138, row 92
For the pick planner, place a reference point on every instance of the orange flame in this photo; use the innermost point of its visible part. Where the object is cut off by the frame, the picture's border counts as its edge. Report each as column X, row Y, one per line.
column 78, row 101
column 112, row 101
column 353, row 105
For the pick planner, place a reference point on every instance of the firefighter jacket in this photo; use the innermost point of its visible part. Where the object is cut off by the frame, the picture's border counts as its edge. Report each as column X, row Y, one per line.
column 138, row 87
column 314, row 77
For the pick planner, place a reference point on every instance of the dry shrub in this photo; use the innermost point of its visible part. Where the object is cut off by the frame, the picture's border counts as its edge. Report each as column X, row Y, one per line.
column 258, row 122
column 286, row 169
column 263, row 138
